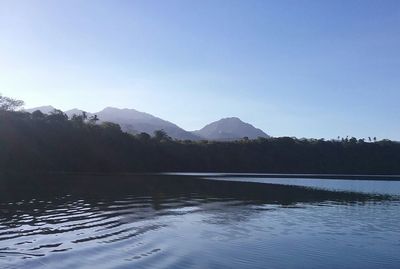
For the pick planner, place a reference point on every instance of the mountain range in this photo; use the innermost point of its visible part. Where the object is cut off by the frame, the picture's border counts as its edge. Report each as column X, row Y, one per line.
column 133, row 121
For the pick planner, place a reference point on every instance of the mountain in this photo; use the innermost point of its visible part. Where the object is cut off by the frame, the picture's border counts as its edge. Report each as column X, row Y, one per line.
column 76, row 111
column 229, row 129
column 134, row 121
column 43, row 109
column 131, row 121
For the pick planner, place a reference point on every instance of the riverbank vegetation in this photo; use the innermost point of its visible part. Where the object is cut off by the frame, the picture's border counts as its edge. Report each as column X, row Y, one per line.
column 54, row 142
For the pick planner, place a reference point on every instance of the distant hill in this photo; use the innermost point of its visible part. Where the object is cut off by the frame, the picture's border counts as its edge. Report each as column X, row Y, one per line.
column 133, row 121
column 76, row 111
column 229, row 129
column 43, row 109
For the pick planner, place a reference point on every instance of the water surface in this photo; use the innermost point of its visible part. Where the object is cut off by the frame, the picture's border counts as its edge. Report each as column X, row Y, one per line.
column 172, row 221
column 381, row 186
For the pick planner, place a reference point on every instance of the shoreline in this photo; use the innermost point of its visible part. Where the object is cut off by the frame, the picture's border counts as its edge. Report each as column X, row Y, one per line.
column 217, row 174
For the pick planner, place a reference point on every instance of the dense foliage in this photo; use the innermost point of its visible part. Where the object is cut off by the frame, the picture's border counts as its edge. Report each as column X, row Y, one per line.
column 39, row 142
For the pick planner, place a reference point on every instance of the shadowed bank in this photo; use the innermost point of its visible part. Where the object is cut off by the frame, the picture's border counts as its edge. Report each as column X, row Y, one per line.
column 40, row 142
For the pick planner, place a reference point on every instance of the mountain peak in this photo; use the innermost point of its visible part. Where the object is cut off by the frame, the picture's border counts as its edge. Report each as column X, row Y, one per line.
column 231, row 128
column 111, row 108
column 133, row 121
column 230, row 119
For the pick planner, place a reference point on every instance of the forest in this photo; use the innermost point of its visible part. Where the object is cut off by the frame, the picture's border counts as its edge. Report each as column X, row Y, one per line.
column 55, row 143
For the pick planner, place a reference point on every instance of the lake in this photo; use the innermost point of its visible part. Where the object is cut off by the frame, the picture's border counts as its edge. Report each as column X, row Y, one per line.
column 197, row 221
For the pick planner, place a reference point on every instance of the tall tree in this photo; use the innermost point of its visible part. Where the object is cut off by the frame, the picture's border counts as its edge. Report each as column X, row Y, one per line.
column 9, row 104
column 161, row 135
column 93, row 119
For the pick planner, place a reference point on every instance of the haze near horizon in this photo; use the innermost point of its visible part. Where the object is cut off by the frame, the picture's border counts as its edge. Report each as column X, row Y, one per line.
column 295, row 68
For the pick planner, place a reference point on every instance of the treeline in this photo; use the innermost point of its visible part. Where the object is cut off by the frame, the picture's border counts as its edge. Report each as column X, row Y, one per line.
column 40, row 142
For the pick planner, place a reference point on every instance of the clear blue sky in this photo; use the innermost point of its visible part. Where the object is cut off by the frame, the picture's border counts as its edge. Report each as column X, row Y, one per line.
column 295, row 68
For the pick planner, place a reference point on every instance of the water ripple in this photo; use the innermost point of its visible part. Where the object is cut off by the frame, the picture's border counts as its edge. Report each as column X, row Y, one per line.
column 193, row 223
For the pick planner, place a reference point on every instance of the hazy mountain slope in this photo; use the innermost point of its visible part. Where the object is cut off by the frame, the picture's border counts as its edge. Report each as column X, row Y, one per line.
column 229, row 129
column 130, row 120
column 76, row 111
column 43, row 109
column 135, row 121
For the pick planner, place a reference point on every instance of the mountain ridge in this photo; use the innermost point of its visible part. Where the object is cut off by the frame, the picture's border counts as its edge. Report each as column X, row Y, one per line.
column 134, row 121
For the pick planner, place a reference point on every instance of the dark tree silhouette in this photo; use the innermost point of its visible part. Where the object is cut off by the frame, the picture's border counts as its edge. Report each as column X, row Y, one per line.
column 160, row 135
column 143, row 136
column 9, row 104
column 38, row 115
column 93, row 119
column 40, row 142
column 57, row 116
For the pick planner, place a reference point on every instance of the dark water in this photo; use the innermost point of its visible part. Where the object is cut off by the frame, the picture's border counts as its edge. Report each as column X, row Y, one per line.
column 154, row 221
column 381, row 186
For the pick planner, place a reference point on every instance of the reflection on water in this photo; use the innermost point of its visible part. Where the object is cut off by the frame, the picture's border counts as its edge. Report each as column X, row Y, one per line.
column 381, row 186
column 154, row 221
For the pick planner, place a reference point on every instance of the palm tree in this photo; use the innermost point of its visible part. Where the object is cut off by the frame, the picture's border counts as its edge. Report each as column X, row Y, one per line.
column 161, row 135
column 93, row 119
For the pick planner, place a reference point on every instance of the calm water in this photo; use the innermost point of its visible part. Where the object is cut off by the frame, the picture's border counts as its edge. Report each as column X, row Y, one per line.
column 381, row 186
column 154, row 221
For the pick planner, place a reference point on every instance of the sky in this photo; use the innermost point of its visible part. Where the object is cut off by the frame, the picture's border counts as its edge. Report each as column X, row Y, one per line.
column 319, row 69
